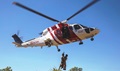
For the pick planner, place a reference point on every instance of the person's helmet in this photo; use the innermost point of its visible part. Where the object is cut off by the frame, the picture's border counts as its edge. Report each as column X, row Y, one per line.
column 66, row 55
column 63, row 54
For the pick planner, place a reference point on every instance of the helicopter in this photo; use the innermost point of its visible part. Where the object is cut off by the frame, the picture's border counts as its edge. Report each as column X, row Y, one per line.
column 59, row 34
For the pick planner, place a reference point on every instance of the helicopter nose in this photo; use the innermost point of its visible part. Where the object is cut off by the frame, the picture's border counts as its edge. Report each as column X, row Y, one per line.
column 96, row 30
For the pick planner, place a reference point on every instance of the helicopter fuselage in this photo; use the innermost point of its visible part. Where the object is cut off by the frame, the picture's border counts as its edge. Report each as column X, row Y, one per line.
column 61, row 33
column 53, row 36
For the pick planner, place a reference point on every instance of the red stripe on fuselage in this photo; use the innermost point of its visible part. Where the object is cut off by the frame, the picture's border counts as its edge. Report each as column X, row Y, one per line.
column 60, row 37
column 73, row 36
column 53, row 36
column 54, row 27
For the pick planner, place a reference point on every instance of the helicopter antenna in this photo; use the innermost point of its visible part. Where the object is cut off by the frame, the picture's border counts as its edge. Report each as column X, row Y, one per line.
column 88, row 5
column 38, row 13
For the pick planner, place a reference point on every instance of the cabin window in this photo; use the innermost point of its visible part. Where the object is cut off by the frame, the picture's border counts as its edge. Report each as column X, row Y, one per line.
column 77, row 27
column 44, row 33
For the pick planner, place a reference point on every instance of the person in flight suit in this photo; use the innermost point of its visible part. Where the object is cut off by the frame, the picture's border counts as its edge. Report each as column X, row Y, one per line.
column 63, row 61
column 65, row 32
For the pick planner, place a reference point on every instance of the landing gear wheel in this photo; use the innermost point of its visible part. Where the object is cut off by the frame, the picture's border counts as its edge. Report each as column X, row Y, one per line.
column 49, row 45
column 92, row 39
column 80, row 43
column 58, row 50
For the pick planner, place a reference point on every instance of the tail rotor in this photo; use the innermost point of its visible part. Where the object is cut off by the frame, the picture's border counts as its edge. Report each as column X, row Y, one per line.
column 17, row 39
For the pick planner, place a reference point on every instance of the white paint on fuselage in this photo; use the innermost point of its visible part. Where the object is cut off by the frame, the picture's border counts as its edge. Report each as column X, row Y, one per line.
column 40, row 41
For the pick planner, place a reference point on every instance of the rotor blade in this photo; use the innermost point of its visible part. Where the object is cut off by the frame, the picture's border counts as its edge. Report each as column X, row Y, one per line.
column 88, row 5
column 29, row 9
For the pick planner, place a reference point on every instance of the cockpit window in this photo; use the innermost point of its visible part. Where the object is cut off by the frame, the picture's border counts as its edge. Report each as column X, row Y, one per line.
column 77, row 27
column 84, row 26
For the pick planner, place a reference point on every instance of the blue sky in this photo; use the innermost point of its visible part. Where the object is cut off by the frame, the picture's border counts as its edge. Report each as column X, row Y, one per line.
column 102, row 54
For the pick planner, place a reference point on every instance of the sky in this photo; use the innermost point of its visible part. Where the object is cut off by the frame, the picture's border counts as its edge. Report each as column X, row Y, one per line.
column 102, row 54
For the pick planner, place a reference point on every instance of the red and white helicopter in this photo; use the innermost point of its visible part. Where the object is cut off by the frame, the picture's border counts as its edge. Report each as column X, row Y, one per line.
column 61, row 33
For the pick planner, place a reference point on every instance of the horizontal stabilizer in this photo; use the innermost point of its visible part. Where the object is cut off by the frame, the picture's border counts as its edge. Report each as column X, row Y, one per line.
column 17, row 44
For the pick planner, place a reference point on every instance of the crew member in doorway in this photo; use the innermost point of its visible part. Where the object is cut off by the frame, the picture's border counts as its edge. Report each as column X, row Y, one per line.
column 65, row 32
